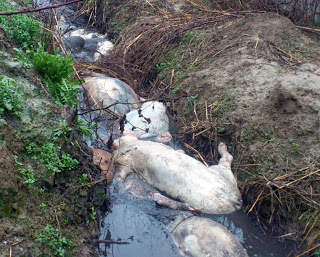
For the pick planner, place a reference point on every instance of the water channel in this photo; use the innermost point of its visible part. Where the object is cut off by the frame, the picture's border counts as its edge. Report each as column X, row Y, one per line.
column 140, row 222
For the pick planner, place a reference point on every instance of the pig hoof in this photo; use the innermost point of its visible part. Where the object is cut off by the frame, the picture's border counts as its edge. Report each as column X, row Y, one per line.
column 164, row 138
column 222, row 148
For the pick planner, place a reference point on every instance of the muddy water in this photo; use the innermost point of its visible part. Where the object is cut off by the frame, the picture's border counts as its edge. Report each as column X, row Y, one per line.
column 139, row 222
column 144, row 225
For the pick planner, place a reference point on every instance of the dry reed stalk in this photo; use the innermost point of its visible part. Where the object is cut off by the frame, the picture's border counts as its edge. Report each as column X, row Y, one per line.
column 142, row 45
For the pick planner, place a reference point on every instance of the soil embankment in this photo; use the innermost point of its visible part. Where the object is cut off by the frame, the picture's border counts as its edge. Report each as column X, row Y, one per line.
column 46, row 206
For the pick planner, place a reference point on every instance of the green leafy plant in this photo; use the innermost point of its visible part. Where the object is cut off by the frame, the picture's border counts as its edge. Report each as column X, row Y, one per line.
column 9, row 97
column 43, row 206
column 28, row 177
column 83, row 179
column 192, row 99
column 176, row 90
column 51, row 239
column 16, row 160
column 22, row 28
column 295, row 146
column 24, row 56
column 220, row 129
column 52, row 157
column 87, row 128
column 168, row 66
column 58, row 74
column 93, row 213
column 60, row 131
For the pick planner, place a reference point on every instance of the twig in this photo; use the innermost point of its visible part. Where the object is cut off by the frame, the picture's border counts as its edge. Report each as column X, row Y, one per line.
column 192, row 149
column 307, row 28
column 58, row 223
column 312, row 226
column 39, row 9
column 96, row 241
column 258, row 198
column 10, row 248
column 308, row 251
column 82, row 150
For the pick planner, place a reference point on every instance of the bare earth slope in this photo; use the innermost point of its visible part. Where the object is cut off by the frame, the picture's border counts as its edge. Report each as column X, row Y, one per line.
column 255, row 83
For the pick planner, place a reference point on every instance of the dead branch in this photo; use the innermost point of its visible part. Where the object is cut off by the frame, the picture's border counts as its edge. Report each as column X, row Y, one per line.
column 96, row 241
column 39, row 9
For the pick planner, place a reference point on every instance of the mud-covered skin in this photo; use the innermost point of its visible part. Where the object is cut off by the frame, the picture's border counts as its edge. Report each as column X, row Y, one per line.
column 102, row 91
column 200, row 237
column 210, row 190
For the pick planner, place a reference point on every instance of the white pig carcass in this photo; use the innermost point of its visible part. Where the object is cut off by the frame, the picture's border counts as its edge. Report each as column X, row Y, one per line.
column 149, row 121
column 200, row 237
column 211, row 190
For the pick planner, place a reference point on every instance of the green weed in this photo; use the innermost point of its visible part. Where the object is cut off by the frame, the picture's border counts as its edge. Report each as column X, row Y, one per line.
column 176, row 90
column 192, row 99
column 22, row 28
column 9, row 97
column 52, row 157
column 168, row 66
column 24, row 56
column 51, row 239
column 87, row 128
column 93, row 213
column 58, row 75
column 28, row 177
column 295, row 146
column 220, row 129
column 83, row 179
column 43, row 206
column 60, row 131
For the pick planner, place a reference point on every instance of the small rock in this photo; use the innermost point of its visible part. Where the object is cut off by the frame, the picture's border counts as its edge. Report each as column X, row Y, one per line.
column 14, row 65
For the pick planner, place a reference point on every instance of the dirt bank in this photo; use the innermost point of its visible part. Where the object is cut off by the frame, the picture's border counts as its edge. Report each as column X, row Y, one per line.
column 258, row 89
column 32, row 197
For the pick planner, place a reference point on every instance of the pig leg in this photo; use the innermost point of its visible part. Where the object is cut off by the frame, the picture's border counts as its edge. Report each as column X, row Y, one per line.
column 226, row 158
column 164, row 138
column 175, row 205
column 123, row 172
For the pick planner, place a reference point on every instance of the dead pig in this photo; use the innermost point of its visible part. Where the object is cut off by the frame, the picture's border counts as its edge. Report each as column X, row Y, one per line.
column 211, row 190
column 150, row 121
column 102, row 92
column 200, row 237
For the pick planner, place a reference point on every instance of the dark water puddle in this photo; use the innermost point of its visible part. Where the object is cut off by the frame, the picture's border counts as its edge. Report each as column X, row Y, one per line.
column 146, row 235
column 257, row 242
column 144, row 225
column 139, row 222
